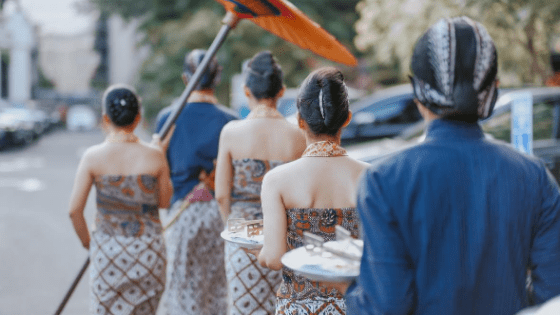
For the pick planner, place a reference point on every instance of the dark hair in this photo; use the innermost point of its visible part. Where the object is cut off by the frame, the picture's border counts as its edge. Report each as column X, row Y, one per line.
column 264, row 76
column 211, row 76
column 323, row 101
column 121, row 105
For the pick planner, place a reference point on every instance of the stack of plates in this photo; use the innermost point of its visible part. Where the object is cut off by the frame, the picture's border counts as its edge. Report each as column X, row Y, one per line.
column 325, row 266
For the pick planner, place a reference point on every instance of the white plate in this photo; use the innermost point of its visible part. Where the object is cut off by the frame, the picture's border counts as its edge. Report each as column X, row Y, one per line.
column 243, row 241
column 324, row 267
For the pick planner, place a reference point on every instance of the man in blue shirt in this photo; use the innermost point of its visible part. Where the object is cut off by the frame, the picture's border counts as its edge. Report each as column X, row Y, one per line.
column 453, row 225
column 196, row 280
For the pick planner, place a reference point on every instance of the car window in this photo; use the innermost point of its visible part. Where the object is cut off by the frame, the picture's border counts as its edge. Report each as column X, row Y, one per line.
column 499, row 126
column 409, row 114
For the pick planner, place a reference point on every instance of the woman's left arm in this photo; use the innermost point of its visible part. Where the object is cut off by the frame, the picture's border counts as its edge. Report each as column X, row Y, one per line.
column 275, row 223
column 224, row 176
column 78, row 199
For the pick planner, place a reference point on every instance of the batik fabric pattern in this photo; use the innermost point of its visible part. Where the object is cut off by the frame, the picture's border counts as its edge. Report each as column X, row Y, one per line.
column 252, row 288
column 196, row 278
column 127, row 250
column 297, row 294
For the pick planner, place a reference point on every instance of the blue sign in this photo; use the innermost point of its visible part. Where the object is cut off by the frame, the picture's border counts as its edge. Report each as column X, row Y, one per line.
column 522, row 122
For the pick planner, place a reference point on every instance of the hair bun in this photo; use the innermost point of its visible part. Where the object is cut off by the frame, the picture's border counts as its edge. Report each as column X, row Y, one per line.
column 121, row 105
column 264, row 76
column 323, row 101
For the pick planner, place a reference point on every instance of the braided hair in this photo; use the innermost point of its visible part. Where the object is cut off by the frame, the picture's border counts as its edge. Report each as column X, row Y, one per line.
column 323, row 101
column 121, row 104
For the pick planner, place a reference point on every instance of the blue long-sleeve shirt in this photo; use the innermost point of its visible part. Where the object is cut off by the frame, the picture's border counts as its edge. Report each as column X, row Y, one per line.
column 194, row 145
column 452, row 225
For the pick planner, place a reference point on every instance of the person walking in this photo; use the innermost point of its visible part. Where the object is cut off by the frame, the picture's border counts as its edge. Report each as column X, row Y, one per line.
column 196, row 281
column 313, row 194
column 452, row 225
column 127, row 251
column 250, row 148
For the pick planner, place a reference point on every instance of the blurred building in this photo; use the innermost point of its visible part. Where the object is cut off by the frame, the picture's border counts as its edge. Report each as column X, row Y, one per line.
column 69, row 61
column 108, row 52
column 18, row 58
column 125, row 53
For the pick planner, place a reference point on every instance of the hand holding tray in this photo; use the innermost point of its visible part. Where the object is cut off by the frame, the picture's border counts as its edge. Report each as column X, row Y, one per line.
column 334, row 261
column 245, row 233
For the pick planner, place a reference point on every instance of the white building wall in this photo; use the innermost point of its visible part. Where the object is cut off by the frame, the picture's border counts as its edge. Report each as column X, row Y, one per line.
column 23, row 40
column 69, row 61
column 125, row 54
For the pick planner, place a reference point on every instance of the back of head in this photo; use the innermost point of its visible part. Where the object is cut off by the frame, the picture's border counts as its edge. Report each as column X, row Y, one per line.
column 121, row 104
column 454, row 67
column 323, row 101
column 264, row 76
column 210, row 77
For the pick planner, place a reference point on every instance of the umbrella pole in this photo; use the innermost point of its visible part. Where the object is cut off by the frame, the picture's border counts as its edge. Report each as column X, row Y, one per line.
column 72, row 288
column 229, row 21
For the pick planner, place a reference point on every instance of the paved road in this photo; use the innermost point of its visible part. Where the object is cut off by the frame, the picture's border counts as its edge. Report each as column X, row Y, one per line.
column 39, row 251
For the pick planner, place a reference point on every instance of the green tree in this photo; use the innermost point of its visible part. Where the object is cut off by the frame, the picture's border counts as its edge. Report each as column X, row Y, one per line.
column 174, row 27
column 521, row 29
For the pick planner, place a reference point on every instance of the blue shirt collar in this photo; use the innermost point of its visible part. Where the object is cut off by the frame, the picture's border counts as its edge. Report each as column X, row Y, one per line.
column 448, row 129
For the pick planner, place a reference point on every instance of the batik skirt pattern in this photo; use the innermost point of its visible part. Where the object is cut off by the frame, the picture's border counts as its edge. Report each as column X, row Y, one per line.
column 127, row 251
column 252, row 288
column 196, row 279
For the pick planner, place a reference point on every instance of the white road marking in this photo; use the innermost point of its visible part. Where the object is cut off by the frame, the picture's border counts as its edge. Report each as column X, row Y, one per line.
column 27, row 184
column 21, row 164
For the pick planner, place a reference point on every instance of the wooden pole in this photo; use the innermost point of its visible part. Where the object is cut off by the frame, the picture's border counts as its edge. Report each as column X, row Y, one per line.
column 72, row 288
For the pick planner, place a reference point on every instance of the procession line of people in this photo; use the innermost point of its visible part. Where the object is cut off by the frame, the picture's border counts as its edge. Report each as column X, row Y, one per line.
column 451, row 226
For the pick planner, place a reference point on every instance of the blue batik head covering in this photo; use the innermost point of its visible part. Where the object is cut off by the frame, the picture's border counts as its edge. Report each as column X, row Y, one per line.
column 454, row 68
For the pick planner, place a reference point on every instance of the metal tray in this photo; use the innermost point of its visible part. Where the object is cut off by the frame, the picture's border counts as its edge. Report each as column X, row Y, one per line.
column 242, row 241
column 321, row 267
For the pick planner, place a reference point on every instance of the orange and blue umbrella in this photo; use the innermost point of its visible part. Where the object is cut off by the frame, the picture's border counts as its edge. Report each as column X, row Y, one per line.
column 283, row 19
column 279, row 17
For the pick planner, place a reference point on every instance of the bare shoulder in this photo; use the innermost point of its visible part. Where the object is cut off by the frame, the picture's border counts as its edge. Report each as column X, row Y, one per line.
column 357, row 166
column 281, row 174
column 93, row 157
column 94, row 152
column 151, row 151
column 294, row 129
column 362, row 165
column 233, row 126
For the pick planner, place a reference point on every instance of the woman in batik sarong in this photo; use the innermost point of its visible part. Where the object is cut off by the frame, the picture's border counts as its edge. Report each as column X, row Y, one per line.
column 313, row 194
column 196, row 277
column 248, row 149
column 131, row 179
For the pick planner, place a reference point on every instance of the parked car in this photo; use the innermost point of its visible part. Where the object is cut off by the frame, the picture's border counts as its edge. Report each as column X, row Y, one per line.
column 16, row 126
column 31, row 117
column 287, row 104
column 546, row 129
column 81, row 118
column 385, row 113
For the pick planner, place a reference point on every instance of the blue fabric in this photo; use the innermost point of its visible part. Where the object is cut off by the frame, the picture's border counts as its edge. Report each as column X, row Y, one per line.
column 451, row 226
column 194, row 145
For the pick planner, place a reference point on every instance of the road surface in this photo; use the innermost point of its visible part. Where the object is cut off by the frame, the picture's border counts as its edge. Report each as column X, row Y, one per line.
column 39, row 251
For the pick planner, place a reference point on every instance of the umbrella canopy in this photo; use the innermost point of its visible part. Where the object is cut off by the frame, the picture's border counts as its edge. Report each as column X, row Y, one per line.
column 282, row 18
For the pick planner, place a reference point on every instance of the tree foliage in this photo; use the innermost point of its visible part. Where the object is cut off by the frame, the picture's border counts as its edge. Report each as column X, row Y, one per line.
column 521, row 29
column 174, row 27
